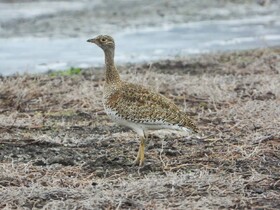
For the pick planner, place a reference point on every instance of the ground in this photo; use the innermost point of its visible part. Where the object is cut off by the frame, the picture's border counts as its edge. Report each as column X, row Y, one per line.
column 60, row 150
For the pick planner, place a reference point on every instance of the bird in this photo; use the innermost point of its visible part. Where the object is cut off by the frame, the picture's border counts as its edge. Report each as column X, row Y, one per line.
column 136, row 106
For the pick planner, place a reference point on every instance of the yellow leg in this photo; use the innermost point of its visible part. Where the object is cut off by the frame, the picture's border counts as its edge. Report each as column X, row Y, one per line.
column 140, row 157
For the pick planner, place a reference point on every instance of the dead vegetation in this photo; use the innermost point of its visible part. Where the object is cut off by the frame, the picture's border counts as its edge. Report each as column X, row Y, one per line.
column 60, row 151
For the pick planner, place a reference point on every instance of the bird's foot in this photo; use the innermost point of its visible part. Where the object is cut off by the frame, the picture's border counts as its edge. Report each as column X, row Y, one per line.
column 138, row 161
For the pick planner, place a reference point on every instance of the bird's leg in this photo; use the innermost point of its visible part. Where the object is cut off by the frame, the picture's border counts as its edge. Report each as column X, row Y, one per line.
column 140, row 157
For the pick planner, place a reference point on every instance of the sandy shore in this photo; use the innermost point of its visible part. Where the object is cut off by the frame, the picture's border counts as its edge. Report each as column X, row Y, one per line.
column 60, row 150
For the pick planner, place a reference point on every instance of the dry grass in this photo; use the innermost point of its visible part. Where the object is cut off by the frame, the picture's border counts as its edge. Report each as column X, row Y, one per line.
column 60, row 151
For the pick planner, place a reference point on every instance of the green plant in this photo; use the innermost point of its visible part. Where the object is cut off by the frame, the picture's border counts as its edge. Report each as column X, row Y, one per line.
column 68, row 72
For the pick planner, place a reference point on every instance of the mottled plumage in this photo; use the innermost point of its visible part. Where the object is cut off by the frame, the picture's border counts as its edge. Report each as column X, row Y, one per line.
column 135, row 106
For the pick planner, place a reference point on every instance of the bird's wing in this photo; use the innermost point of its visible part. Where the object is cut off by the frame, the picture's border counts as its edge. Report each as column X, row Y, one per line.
column 136, row 103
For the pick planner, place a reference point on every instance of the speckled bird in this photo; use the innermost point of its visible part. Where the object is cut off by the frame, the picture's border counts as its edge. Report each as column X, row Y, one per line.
column 135, row 106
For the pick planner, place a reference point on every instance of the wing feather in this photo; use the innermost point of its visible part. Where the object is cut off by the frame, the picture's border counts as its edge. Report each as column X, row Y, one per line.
column 136, row 103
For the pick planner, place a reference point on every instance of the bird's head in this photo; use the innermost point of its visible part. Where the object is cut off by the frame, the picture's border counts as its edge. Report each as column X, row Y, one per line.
column 104, row 41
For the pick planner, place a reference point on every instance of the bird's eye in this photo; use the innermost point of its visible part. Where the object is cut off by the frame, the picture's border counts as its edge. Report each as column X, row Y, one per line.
column 103, row 39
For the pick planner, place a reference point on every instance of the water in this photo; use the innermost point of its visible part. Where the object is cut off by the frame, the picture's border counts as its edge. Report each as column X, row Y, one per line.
column 145, row 44
column 21, row 10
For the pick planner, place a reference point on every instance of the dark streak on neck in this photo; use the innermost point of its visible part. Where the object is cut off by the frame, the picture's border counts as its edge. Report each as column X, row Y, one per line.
column 111, row 74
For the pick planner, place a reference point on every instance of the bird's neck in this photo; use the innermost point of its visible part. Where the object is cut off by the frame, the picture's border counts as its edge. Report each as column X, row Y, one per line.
column 111, row 75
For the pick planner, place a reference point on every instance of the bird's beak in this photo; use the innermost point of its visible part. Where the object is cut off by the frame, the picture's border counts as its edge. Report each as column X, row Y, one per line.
column 92, row 40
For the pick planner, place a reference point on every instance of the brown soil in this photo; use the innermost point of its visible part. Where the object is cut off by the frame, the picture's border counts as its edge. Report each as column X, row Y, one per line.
column 60, row 150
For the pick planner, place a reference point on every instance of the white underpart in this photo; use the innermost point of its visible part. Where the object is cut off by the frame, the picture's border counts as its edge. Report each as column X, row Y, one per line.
column 141, row 128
